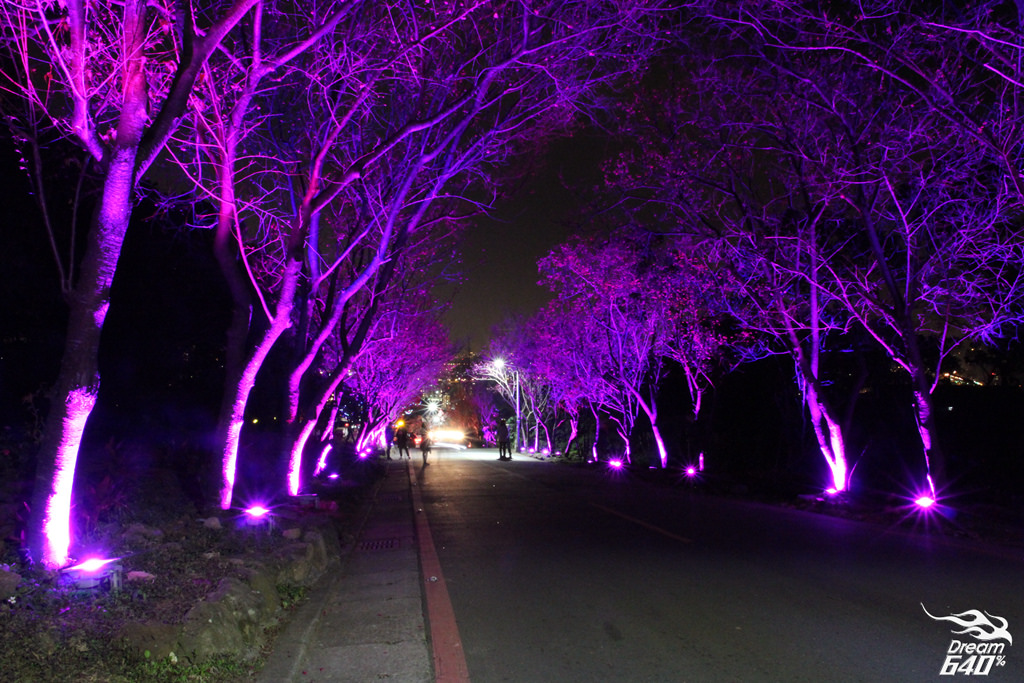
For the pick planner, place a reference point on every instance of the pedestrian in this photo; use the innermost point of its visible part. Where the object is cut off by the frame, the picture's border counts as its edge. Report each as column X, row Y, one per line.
column 504, row 445
column 425, row 444
column 402, row 441
column 389, row 436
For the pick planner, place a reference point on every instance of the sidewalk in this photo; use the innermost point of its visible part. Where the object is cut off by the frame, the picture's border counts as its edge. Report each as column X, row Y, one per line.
column 366, row 622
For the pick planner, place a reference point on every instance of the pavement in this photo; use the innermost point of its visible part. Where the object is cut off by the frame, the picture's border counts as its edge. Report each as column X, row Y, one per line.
column 366, row 621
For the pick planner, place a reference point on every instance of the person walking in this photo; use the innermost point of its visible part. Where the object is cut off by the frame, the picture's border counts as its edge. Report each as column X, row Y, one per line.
column 389, row 436
column 402, row 442
column 504, row 445
column 425, row 445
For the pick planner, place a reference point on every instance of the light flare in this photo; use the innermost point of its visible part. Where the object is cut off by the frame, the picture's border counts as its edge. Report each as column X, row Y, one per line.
column 92, row 565
column 257, row 511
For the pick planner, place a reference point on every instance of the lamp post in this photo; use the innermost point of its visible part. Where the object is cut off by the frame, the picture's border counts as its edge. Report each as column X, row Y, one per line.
column 500, row 364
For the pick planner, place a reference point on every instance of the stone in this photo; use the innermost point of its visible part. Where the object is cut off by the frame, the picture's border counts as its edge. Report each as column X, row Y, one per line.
column 227, row 622
column 158, row 639
column 262, row 581
column 9, row 582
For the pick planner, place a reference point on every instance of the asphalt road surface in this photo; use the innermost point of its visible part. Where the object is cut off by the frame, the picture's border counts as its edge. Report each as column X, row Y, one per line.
column 560, row 573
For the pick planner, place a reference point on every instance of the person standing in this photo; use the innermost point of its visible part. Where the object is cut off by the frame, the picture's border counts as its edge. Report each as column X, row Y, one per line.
column 504, row 445
column 402, row 441
column 425, row 445
column 389, row 436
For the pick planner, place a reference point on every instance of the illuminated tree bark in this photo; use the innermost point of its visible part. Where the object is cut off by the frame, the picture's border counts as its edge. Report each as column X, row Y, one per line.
column 100, row 91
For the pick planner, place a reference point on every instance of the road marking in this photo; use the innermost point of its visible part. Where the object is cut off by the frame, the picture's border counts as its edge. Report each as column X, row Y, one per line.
column 644, row 524
column 449, row 658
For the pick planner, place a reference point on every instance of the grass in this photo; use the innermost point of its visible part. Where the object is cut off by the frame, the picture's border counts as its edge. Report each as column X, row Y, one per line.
column 50, row 632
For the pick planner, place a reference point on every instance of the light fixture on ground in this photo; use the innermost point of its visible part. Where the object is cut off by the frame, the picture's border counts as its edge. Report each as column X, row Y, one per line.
column 94, row 574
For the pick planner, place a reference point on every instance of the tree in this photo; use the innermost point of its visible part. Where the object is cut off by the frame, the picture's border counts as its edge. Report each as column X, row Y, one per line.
column 616, row 278
column 116, row 80
column 404, row 357
column 751, row 224
column 410, row 107
column 919, row 111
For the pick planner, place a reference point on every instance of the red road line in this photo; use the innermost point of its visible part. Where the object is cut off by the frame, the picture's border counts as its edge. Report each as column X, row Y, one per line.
column 449, row 658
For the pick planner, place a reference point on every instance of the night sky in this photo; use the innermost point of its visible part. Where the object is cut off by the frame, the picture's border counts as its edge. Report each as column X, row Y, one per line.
column 500, row 252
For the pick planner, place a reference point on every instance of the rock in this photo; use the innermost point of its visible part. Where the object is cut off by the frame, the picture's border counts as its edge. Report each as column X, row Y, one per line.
column 319, row 554
column 262, row 581
column 212, row 523
column 135, row 575
column 297, row 567
column 158, row 639
column 292, row 534
column 227, row 622
column 8, row 584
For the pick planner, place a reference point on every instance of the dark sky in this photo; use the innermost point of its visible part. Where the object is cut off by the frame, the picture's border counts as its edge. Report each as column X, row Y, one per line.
column 500, row 252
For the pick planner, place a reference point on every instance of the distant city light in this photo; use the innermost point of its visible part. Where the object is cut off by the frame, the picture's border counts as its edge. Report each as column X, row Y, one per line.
column 615, row 464
column 924, row 502
column 447, row 435
column 691, row 471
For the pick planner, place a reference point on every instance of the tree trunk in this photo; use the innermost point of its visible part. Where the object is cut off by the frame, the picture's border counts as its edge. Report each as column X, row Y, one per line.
column 574, row 430
column 830, row 437
column 78, row 382
column 230, row 431
column 241, row 312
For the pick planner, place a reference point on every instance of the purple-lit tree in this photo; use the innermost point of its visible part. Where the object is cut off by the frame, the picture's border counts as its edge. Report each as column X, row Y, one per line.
column 517, row 378
column 405, row 356
column 392, row 309
column 620, row 276
column 569, row 360
column 404, row 108
column 752, row 226
column 115, row 79
column 918, row 120
column 233, row 157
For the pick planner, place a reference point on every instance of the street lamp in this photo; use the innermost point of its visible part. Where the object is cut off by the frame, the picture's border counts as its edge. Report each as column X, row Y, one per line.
column 500, row 364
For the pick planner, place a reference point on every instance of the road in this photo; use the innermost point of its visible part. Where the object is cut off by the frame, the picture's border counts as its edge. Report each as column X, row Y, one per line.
column 560, row 573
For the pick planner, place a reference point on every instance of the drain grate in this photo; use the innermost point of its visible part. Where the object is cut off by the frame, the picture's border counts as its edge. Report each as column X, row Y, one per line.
column 380, row 544
column 390, row 497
